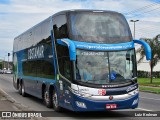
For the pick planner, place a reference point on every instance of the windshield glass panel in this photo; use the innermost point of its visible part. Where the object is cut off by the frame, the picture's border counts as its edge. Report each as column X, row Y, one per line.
column 105, row 27
column 121, row 65
column 105, row 67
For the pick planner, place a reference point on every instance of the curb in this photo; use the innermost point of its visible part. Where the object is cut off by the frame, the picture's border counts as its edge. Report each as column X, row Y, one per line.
column 18, row 105
column 149, row 91
column 149, row 86
column 145, row 86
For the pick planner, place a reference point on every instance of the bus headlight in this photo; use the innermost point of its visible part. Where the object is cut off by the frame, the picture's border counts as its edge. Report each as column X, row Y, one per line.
column 86, row 95
column 81, row 104
column 82, row 94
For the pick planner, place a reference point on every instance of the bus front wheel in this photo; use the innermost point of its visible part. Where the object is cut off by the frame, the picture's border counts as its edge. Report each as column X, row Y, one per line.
column 56, row 106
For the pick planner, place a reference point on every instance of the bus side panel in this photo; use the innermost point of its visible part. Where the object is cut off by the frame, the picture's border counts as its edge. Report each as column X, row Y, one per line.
column 37, row 67
column 29, row 86
column 15, row 70
column 65, row 99
column 17, row 66
column 18, row 60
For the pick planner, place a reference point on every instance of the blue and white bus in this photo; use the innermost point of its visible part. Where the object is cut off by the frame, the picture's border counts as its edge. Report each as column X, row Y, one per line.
column 81, row 60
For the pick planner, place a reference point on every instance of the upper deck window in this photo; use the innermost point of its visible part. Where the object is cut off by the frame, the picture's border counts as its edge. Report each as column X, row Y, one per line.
column 99, row 27
column 60, row 27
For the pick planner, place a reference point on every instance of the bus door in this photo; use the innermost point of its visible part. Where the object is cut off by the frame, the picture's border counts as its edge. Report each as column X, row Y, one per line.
column 64, row 64
column 64, row 76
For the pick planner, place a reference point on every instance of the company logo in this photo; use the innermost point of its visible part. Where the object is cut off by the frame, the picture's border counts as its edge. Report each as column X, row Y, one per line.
column 131, row 88
column 102, row 92
column 110, row 97
column 109, row 86
column 36, row 52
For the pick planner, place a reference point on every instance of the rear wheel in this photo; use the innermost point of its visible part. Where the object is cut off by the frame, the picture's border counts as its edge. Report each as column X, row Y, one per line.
column 56, row 106
column 23, row 90
column 20, row 88
column 47, row 98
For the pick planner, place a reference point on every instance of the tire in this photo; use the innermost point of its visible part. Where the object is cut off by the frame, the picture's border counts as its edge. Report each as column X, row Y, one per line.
column 20, row 88
column 23, row 90
column 47, row 98
column 56, row 106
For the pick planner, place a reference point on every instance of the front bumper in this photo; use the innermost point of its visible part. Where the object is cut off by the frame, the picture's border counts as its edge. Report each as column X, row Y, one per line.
column 92, row 105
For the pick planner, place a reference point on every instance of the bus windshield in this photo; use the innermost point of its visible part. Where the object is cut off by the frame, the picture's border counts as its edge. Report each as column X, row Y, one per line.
column 99, row 27
column 105, row 67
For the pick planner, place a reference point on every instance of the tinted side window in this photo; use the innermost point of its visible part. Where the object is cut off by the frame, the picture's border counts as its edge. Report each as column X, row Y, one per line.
column 45, row 33
column 60, row 31
column 37, row 35
column 60, row 27
column 42, row 33
column 65, row 65
column 38, row 68
column 40, row 63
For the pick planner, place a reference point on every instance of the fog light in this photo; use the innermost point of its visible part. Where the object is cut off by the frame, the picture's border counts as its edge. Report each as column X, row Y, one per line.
column 81, row 104
column 135, row 101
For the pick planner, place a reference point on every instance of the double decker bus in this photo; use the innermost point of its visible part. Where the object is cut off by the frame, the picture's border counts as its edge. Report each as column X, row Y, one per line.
column 81, row 60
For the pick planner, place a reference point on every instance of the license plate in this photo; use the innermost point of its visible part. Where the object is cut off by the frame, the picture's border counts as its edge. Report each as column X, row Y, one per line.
column 111, row 106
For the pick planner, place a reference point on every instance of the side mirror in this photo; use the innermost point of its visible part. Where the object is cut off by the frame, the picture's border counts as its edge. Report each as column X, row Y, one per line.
column 71, row 47
column 147, row 48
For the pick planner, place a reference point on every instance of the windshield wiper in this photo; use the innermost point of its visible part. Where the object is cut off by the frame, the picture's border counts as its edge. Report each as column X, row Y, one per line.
column 85, row 81
column 90, row 81
column 132, row 79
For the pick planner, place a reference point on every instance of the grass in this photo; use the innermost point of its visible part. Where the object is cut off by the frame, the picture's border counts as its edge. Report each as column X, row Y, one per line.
column 149, row 89
column 146, row 82
column 145, row 85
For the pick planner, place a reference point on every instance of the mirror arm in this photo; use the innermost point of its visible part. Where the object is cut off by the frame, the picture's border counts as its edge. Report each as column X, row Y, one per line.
column 71, row 47
column 147, row 48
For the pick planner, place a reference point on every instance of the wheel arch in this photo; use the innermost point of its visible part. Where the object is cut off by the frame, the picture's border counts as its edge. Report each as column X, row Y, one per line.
column 43, row 88
column 19, row 81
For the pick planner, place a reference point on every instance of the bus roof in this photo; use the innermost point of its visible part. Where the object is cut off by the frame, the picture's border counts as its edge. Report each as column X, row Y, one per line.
column 83, row 10
column 65, row 12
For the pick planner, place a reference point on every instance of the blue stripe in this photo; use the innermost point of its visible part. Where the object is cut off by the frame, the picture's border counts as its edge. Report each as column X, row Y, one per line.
column 72, row 45
column 96, row 46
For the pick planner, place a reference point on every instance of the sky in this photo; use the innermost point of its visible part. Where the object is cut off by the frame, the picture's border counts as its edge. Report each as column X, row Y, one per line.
column 16, row 16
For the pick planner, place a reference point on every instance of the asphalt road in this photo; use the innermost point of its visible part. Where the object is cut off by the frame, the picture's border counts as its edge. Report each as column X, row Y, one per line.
column 148, row 102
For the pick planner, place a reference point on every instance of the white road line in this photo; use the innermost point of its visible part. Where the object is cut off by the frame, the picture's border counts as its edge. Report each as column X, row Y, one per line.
column 144, row 109
column 149, row 98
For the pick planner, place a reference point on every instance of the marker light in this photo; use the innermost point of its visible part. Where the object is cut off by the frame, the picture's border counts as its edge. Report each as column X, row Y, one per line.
column 135, row 101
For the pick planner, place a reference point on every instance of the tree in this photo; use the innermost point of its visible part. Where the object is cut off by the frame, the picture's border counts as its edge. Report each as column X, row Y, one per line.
column 1, row 65
column 155, row 46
